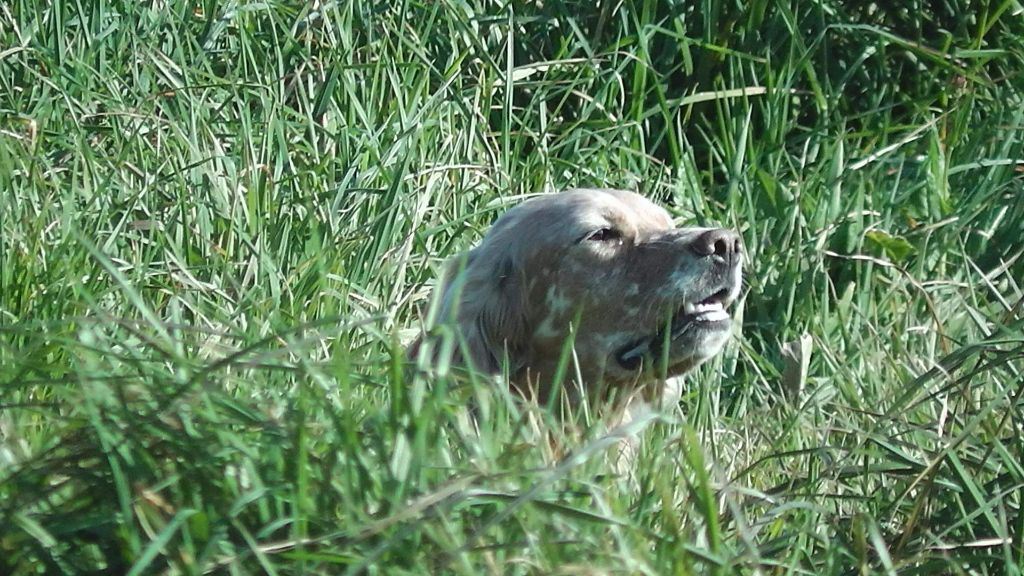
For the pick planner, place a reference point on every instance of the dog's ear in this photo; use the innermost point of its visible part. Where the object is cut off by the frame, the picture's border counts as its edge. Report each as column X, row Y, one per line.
column 485, row 299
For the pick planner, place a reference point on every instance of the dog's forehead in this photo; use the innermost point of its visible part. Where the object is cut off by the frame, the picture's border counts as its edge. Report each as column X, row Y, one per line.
column 624, row 208
column 583, row 209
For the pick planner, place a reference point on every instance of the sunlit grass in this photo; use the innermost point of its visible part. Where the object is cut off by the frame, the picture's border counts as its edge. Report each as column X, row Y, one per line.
column 219, row 220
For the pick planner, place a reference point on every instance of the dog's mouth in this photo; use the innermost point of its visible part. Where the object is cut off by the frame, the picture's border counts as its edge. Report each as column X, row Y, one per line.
column 710, row 309
column 693, row 319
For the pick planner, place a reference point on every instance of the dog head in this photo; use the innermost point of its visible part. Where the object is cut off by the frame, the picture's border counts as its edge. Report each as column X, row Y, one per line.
column 604, row 271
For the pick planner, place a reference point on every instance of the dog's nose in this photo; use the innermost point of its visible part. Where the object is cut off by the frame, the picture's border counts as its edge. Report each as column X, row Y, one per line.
column 717, row 242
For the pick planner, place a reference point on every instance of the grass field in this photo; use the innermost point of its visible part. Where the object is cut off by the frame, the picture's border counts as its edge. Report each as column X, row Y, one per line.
column 219, row 218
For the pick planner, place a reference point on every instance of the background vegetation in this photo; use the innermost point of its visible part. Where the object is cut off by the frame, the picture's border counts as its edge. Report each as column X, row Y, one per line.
column 218, row 217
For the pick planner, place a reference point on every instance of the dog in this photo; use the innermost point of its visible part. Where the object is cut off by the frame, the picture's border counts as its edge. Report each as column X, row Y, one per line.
column 599, row 277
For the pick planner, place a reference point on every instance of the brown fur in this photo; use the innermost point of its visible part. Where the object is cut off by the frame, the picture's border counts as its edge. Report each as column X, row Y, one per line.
column 606, row 269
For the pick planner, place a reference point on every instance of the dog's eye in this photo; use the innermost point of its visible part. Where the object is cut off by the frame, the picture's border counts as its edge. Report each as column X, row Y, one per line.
column 605, row 235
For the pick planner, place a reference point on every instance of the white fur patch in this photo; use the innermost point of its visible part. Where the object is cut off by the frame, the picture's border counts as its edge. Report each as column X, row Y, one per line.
column 557, row 304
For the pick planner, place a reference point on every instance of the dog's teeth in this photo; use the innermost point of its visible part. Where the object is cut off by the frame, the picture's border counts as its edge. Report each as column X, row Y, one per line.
column 715, row 315
column 698, row 308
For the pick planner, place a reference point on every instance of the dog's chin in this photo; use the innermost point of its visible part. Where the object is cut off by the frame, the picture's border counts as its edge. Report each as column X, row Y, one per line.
column 674, row 352
column 685, row 354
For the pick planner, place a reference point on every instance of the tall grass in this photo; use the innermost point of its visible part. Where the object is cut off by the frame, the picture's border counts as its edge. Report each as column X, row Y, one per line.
column 218, row 220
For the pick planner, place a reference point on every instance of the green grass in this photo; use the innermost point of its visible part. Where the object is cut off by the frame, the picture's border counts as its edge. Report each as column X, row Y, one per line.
column 218, row 219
